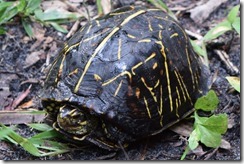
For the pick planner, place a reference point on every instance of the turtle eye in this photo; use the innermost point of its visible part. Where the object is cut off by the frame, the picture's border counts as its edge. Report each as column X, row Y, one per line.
column 74, row 121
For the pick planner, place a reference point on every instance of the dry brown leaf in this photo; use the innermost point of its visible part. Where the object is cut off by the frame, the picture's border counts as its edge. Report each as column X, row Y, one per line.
column 20, row 117
column 199, row 151
column 47, row 5
column 200, row 13
column 106, row 5
column 226, row 60
column 30, row 80
column 26, row 39
column 231, row 121
column 5, row 93
column 76, row 1
column 32, row 58
column 73, row 29
column 27, row 104
column 48, row 40
column 182, row 128
column 38, row 31
column 21, row 97
column 225, row 144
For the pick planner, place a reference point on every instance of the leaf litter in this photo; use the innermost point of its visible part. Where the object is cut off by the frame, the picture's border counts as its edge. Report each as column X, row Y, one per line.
column 47, row 45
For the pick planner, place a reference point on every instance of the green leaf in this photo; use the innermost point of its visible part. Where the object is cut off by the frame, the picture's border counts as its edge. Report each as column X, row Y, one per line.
column 237, row 25
column 208, row 130
column 54, row 14
column 198, row 49
column 217, row 123
column 233, row 13
column 208, row 102
column 27, row 27
column 218, row 30
column 32, row 6
column 25, row 143
column 4, row 5
column 21, row 5
column 2, row 30
column 194, row 139
column 58, row 27
column 28, row 146
column 40, row 127
column 99, row 7
column 161, row 5
column 32, row 144
column 209, row 138
column 48, row 145
column 47, row 134
column 234, row 82
column 9, row 13
column 187, row 149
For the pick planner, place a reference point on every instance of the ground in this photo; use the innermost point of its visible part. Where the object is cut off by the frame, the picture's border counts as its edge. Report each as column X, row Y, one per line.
column 19, row 68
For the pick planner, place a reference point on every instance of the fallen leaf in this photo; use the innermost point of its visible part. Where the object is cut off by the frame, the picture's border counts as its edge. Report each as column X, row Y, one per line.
column 234, row 82
column 106, row 5
column 200, row 13
column 38, row 31
column 21, row 117
column 231, row 121
column 32, row 58
column 54, row 5
column 182, row 128
column 18, row 100
column 5, row 93
column 199, row 151
column 225, row 144
column 26, row 105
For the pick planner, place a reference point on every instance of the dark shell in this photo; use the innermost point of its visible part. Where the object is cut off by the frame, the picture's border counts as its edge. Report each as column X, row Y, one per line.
column 134, row 71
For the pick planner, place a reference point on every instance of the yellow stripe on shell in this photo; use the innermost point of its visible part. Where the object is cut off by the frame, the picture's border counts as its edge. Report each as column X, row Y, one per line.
column 97, row 77
column 119, row 75
column 144, row 40
column 146, row 104
column 119, row 49
column 174, row 35
column 160, row 34
column 135, row 66
column 161, row 101
column 189, row 65
column 179, row 81
column 167, row 73
column 118, row 88
column 131, row 36
column 99, row 47
column 149, row 89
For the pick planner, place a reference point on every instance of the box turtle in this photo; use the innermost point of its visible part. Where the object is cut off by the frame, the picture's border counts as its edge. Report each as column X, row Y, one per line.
column 127, row 75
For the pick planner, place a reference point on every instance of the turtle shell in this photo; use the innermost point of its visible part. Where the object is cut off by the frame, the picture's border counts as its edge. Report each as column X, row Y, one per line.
column 122, row 77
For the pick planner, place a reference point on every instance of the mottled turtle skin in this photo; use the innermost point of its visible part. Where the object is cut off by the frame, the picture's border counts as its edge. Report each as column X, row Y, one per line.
column 123, row 77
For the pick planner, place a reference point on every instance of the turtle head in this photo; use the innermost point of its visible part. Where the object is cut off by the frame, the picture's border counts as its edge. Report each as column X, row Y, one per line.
column 74, row 122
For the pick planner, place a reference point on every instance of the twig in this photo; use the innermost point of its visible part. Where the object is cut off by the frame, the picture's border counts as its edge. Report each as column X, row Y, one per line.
column 73, row 29
column 108, row 156
column 144, row 151
column 225, row 58
column 195, row 35
column 211, row 154
column 21, row 117
column 125, row 153
column 18, row 100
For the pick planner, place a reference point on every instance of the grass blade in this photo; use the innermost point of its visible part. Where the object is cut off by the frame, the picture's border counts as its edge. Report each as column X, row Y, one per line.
column 27, row 27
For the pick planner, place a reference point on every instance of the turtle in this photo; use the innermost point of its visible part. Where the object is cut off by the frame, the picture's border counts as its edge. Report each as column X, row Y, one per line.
column 122, row 77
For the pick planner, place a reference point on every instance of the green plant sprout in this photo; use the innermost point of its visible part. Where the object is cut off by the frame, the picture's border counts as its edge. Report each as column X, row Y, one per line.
column 30, row 11
column 207, row 130
column 232, row 22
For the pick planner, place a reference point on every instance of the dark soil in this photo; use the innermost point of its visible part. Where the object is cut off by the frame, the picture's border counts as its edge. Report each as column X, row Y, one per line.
column 16, row 76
